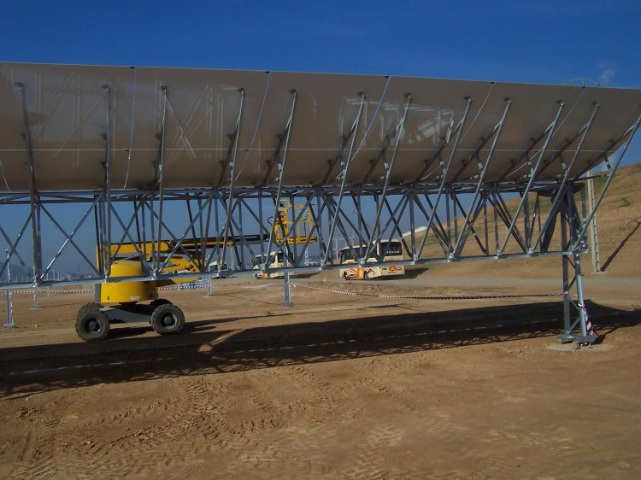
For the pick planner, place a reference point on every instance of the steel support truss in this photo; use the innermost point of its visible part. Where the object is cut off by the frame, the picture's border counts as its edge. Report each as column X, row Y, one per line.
column 451, row 213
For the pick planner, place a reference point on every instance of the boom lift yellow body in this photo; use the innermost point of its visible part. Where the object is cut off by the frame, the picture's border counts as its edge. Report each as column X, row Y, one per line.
column 125, row 297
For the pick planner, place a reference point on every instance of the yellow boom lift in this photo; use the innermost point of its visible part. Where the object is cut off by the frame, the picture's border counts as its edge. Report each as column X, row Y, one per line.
column 125, row 297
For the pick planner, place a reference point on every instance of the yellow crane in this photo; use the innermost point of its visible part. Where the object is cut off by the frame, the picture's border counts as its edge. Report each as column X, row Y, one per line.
column 283, row 224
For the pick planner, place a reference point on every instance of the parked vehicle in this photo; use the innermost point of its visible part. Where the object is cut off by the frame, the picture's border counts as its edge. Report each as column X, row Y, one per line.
column 384, row 251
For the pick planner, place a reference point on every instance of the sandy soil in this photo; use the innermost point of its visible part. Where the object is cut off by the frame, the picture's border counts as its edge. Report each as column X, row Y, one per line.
column 340, row 386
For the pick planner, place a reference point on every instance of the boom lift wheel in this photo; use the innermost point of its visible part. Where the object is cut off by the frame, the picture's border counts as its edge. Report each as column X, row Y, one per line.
column 167, row 319
column 92, row 324
column 87, row 307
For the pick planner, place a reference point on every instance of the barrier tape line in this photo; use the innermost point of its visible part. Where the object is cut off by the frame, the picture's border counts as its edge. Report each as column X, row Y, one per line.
column 588, row 323
column 340, row 292
column 42, row 290
column 175, row 287
column 414, row 297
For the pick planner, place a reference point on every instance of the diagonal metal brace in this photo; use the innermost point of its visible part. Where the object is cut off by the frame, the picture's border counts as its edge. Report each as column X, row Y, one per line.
column 445, row 169
column 344, row 172
column 398, row 134
column 345, row 139
column 583, row 133
column 231, row 162
column 33, row 189
column 496, row 133
column 284, row 145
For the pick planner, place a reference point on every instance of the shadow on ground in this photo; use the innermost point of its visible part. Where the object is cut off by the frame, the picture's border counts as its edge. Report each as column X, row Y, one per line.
column 204, row 348
column 616, row 252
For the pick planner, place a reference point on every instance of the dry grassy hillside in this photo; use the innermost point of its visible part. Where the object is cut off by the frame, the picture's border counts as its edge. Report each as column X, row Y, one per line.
column 618, row 220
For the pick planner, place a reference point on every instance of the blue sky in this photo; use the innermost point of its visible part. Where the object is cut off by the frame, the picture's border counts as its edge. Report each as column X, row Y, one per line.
column 535, row 41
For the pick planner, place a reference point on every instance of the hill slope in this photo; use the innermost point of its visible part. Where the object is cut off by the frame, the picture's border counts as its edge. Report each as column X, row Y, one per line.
column 619, row 229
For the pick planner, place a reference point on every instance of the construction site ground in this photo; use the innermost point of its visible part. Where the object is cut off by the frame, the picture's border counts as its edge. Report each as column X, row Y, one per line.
column 409, row 380
column 337, row 386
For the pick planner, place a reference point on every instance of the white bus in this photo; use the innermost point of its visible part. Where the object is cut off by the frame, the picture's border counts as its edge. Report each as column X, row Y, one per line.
column 278, row 261
column 389, row 251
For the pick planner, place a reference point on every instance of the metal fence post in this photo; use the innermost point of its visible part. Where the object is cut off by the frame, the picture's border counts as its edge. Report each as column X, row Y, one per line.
column 9, row 323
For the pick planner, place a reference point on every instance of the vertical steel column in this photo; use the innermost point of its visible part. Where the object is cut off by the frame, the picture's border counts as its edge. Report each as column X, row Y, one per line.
column 281, row 174
column 9, row 323
column 586, row 335
column 565, row 263
column 238, row 251
column 160, row 183
column 412, row 200
column 594, row 231
column 261, row 220
column 105, row 217
column 214, row 202
column 282, row 163
column 33, row 192
column 581, row 299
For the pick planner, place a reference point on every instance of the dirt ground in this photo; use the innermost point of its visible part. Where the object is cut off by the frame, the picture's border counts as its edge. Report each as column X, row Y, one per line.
column 338, row 386
column 381, row 386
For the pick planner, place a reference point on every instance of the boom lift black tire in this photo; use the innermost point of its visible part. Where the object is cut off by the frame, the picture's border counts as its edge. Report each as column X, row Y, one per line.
column 160, row 301
column 92, row 326
column 167, row 319
column 87, row 307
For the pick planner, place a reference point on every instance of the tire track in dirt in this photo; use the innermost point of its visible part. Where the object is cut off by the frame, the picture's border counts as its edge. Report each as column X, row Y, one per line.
column 380, row 375
column 242, row 425
column 550, row 446
column 119, row 418
column 373, row 454
column 37, row 460
column 137, row 451
column 39, row 470
column 329, row 396
column 248, row 416
column 62, row 452
column 282, row 397
column 484, row 451
column 172, row 438
column 270, row 437
column 322, row 400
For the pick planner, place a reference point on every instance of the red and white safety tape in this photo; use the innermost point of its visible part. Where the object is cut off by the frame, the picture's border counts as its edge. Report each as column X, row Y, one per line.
column 414, row 297
column 588, row 323
column 30, row 292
